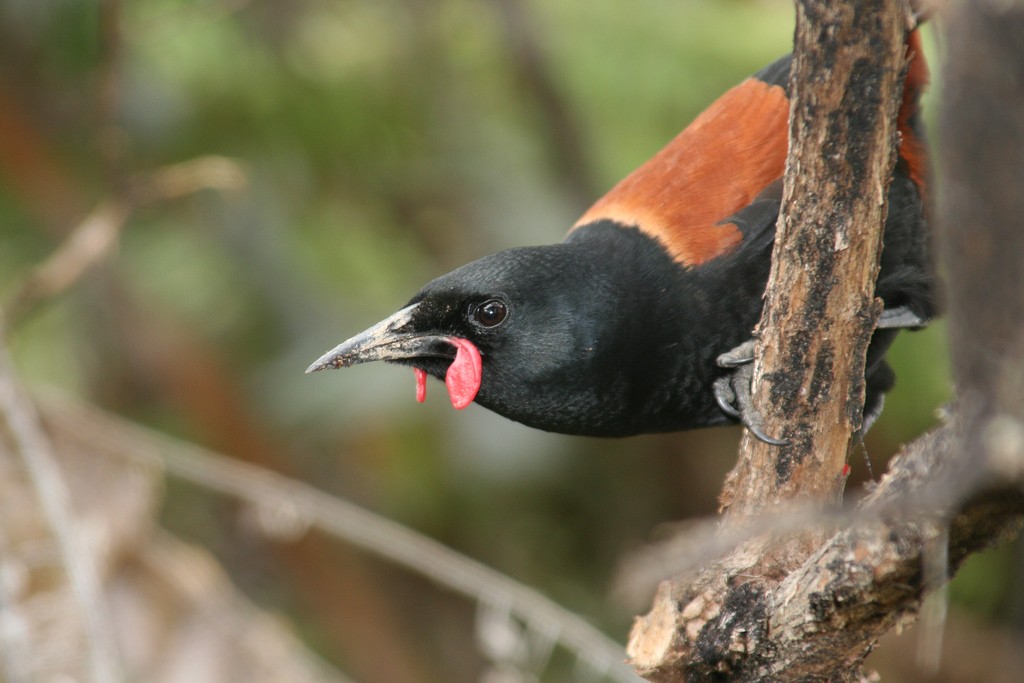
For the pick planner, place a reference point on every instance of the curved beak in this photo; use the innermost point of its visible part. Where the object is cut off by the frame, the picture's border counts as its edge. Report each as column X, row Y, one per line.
column 390, row 339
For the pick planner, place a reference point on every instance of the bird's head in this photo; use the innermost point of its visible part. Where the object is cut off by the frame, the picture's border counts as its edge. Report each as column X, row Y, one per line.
column 592, row 336
column 524, row 332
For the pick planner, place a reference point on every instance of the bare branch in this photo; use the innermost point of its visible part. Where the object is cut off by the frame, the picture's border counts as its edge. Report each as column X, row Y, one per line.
column 32, row 445
column 818, row 318
column 819, row 308
column 261, row 640
column 306, row 506
column 811, row 609
column 188, row 177
column 857, row 584
column 96, row 236
column 981, row 203
column 87, row 244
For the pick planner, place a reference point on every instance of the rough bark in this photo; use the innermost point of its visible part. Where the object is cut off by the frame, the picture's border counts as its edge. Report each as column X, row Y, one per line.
column 822, row 619
column 810, row 608
column 820, row 310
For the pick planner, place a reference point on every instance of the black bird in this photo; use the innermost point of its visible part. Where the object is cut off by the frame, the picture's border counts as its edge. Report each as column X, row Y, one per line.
column 617, row 329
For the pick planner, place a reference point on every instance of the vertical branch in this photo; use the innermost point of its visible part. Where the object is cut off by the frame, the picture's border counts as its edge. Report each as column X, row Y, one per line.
column 982, row 200
column 755, row 615
column 820, row 309
column 819, row 314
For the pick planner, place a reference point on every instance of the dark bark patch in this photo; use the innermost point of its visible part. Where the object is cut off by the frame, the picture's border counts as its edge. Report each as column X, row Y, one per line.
column 737, row 631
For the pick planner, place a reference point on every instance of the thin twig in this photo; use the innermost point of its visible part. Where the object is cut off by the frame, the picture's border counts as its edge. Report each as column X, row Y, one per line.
column 88, row 244
column 209, row 172
column 208, row 591
column 97, row 235
column 77, row 557
column 934, row 606
column 357, row 526
column 12, row 632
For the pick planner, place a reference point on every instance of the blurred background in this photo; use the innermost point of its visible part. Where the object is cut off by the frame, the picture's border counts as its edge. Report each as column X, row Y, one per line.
column 277, row 176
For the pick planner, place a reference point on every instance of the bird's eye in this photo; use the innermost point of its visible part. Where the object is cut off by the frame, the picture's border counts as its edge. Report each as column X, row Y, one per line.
column 490, row 313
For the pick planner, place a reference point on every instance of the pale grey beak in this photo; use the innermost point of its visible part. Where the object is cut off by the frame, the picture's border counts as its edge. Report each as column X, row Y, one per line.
column 390, row 339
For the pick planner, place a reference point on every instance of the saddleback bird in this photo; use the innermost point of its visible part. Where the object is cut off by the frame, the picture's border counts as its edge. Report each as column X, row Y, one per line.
column 636, row 322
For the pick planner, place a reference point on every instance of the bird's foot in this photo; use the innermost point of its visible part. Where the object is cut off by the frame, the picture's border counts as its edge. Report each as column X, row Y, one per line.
column 732, row 391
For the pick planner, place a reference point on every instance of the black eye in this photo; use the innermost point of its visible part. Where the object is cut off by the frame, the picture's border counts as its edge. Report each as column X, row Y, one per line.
column 490, row 313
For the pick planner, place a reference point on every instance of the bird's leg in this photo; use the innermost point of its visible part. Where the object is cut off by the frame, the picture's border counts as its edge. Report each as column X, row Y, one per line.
column 732, row 391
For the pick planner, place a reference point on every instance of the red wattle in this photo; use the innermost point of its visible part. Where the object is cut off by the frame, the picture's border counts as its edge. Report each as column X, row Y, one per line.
column 421, row 385
column 464, row 374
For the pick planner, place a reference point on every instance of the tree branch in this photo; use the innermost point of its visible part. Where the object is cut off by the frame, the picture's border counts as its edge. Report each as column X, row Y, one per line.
column 820, row 308
column 96, row 236
column 981, row 204
column 810, row 608
column 28, row 440
column 292, row 507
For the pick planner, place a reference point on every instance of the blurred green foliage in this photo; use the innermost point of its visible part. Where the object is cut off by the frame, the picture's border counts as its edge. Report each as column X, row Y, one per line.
column 385, row 142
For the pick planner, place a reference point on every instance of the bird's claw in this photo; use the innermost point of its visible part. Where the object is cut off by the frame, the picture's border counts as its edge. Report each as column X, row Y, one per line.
column 899, row 317
column 732, row 391
column 725, row 396
column 741, row 355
